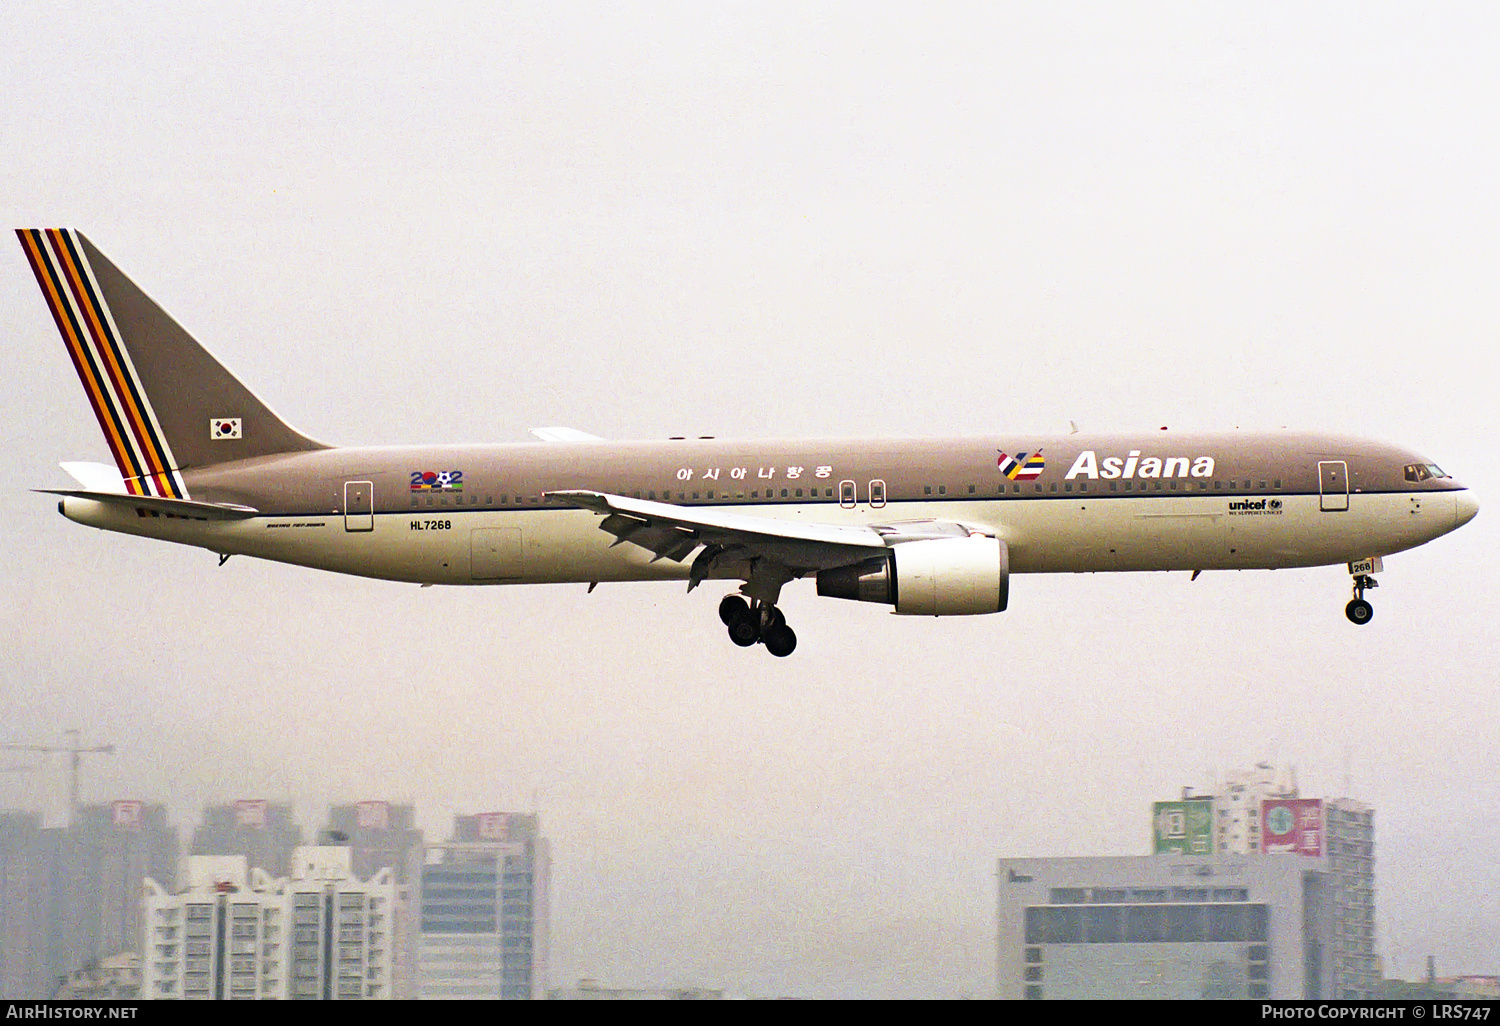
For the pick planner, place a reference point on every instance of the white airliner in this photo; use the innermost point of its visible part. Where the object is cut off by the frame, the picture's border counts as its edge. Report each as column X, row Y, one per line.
column 932, row 527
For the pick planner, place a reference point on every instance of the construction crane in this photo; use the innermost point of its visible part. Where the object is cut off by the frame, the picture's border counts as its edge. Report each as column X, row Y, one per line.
column 75, row 749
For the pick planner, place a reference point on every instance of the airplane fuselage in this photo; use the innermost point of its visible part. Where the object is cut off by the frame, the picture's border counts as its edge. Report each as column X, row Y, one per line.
column 481, row 514
column 927, row 526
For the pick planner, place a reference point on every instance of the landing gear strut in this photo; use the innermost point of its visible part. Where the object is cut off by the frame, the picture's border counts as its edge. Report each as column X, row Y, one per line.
column 1358, row 610
column 753, row 621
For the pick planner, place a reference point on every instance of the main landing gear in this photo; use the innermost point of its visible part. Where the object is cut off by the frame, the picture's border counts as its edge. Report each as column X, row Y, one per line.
column 1358, row 610
column 753, row 621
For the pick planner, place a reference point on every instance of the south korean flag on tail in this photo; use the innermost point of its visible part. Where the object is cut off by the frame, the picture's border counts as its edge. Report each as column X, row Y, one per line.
column 224, row 428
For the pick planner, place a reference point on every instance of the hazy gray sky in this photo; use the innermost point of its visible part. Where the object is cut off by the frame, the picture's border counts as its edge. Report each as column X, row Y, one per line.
column 456, row 222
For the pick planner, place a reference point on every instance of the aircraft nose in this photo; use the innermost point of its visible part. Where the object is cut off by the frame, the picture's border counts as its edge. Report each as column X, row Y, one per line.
column 1465, row 506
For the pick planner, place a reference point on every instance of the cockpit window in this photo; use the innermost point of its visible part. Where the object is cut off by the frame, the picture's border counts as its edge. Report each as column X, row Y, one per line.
column 1423, row 471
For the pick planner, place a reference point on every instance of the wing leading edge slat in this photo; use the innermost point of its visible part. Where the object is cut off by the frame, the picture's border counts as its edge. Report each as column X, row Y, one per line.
column 764, row 552
column 713, row 523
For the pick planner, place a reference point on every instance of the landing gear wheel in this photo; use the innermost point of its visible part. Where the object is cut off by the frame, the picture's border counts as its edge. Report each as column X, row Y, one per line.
column 781, row 641
column 745, row 631
column 1358, row 610
column 732, row 608
column 771, row 619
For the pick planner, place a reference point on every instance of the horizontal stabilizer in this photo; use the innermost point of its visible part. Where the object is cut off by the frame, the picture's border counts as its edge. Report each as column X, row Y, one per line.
column 157, row 504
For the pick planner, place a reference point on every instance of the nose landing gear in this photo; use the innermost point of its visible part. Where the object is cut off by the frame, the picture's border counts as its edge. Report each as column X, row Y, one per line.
column 1358, row 610
column 753, row 621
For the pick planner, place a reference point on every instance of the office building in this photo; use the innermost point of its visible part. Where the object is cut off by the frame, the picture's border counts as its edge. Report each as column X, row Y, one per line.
column 590, row 990
column 1158, row 927
column 482, row 927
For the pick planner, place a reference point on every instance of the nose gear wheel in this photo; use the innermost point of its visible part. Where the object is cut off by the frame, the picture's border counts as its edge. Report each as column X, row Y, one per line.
column 1358, row 610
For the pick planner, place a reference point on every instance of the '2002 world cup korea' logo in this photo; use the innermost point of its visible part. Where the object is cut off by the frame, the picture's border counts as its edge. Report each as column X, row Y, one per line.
column 437, row 480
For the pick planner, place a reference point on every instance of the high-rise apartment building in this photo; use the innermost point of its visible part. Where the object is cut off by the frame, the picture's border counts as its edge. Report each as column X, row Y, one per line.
column 26, row 879
column 70, row 895
column 108, row 852
column 235, row 932
column 382, row 835
column 379, row 835
column 263, row 831
column 1353, row 969
column 343, row 941
column 1259, row 811
column 482, row 925
column 1237, row 806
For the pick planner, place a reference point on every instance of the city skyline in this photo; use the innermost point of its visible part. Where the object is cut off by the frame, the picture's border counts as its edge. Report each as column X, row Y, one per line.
column 362, row 827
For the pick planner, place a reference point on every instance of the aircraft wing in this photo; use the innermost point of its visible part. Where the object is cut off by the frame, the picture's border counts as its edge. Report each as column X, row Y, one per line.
column 766, row 552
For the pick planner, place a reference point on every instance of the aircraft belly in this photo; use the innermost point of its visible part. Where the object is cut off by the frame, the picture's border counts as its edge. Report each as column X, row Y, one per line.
column 506, row 547
column 1051, row 535
column 1192, row 532
column 430, row 548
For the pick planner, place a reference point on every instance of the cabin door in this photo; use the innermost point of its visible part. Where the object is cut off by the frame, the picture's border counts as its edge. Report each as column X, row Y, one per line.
column 1333, row 486
column 359, row 506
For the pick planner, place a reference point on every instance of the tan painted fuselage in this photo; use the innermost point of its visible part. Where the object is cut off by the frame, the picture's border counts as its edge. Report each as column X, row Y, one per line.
column 1205, row 502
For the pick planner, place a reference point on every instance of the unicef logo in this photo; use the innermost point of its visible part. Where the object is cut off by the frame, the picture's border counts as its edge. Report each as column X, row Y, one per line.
column 1275, row 503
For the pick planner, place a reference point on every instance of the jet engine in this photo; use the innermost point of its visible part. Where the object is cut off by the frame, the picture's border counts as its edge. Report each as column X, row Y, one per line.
column 933, row 577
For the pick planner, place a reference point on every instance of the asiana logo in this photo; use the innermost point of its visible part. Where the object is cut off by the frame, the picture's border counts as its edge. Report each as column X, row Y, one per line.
column 1089, row 465
column 1025, row 466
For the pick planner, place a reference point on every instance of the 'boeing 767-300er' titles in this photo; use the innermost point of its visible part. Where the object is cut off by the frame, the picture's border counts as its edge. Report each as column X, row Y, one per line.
column 932, row 527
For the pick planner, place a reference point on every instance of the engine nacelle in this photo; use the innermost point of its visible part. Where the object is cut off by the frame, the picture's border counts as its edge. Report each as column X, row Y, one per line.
column 933, row 577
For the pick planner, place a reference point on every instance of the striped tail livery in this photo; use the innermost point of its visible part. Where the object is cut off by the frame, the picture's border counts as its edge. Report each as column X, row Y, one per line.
column 164, row 404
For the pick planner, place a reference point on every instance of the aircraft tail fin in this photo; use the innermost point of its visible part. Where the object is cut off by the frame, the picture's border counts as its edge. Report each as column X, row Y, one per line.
column 164, row 404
